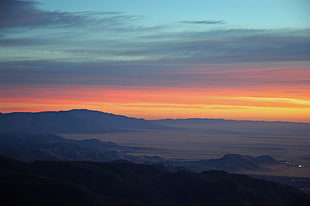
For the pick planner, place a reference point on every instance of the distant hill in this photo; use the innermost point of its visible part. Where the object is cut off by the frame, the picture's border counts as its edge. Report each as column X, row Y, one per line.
column 124, row 183
column 230, row 163
column 34, row 147
column 89, row 121
column 48, row 147
column 238, row 127
column 211, row 120
column 73, row 121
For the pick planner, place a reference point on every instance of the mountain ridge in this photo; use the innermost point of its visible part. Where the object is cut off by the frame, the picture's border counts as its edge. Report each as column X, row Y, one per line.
column 71, row 121
column 123, row 183
column 34, row 147
column 155, row 120
column 49, row 147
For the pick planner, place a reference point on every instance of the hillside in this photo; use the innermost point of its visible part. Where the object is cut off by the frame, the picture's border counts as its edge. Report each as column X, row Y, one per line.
column 230, row 163
column 124, row 183
column 49, row 147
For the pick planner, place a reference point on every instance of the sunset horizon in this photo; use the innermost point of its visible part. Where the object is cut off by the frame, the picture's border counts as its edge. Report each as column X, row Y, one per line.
column 202, row 59
column 155, row 103
column 147, row 117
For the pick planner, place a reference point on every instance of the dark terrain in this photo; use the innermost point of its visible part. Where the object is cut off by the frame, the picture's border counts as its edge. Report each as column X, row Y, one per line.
column 48, row 147
column 125, row 183
column 78, row 166
column 34, row 147
column 191, row 139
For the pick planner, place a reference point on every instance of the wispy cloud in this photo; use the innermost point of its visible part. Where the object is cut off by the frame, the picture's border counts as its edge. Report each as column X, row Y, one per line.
column 210, row 22
column 21, row 14
column 238, row 45
column 114, row 36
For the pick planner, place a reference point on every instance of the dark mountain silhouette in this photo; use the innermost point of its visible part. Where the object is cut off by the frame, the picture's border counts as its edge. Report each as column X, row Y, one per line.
column 33, row 147
column 302, row 183
column 222, row 126
column 123, row 183
column 230, row 163
column 89, row 121
column 12, row 141
column 48, row 147
column 73, row 121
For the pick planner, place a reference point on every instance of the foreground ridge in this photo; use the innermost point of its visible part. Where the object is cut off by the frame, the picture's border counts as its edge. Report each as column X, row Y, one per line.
column 124, row 183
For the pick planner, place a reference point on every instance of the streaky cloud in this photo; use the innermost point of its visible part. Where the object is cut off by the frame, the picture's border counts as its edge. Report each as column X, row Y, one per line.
column 25, row 14
column 210, row 22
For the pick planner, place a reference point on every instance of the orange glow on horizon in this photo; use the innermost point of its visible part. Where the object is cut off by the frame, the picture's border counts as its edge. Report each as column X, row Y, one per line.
column 160, row 102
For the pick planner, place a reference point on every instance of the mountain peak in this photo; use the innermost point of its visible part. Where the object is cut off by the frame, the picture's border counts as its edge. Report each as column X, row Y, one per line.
column 71, row 121
column 83, row 110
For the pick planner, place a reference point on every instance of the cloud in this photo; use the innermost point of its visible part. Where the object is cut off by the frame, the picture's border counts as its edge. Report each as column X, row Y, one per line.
column 117, row 37
column 210, row 22
column 178, row 48
column 237, row 45
column 10, row 42
column 22, row 13
column 253, row 75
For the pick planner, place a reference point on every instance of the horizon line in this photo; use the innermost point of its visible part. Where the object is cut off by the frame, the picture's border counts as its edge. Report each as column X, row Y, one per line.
column 190, row 118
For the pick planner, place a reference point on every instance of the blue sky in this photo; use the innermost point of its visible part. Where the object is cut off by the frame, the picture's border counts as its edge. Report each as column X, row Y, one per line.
column 267, row 14
column 104, row 30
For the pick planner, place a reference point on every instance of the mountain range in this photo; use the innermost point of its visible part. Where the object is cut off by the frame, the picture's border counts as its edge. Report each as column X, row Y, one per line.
column 48, row 169
column 85, row 121
column 123, row 183
column 230, row 162
column 72, row 121
column 49, row 147
column 35, row 147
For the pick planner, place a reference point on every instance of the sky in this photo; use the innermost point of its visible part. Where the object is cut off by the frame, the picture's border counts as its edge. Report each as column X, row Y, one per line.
column 231, row 59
